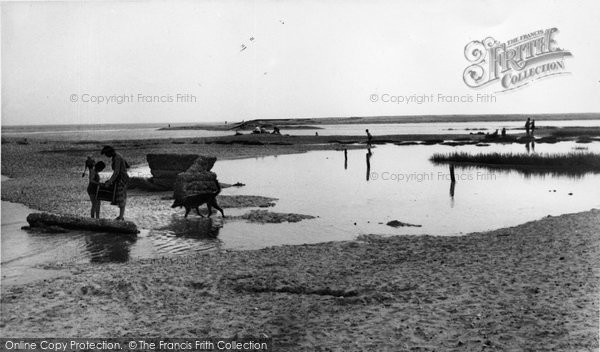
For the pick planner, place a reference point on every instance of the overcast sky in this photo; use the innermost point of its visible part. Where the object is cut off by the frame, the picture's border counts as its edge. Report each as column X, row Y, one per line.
column 306, row 58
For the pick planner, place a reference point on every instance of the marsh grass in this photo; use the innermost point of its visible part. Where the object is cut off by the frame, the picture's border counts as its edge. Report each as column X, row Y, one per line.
column 572, row 163
column 566, row 132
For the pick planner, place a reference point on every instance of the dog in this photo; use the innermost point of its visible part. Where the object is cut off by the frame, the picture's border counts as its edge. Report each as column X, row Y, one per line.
column 197, row 200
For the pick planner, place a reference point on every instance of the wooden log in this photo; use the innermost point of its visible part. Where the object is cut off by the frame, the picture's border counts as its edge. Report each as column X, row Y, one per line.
column 452, row 177
column 80, row 223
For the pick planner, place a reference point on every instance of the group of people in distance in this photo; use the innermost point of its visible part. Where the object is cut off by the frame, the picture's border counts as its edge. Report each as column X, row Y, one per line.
column 115, row 187
column 529, row 126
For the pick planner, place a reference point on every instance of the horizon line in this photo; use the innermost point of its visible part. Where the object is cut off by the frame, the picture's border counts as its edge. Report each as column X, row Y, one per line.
column 305, row 118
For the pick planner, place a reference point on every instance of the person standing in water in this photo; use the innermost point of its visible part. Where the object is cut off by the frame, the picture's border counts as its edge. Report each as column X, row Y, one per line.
column 369, row 137
column 94, row 183
column 532, row 126
column 119, row 179
column 527, row 125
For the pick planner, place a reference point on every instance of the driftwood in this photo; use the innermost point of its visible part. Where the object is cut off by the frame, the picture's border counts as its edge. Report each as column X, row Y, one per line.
column 79, row 223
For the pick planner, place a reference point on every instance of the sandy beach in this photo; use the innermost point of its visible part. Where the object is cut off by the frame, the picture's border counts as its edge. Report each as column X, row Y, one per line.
column 348, row 176
column 530, row 287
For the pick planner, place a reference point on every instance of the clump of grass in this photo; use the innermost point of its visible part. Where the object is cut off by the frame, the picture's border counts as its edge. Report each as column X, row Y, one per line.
column 566, row 132
column 572, row 163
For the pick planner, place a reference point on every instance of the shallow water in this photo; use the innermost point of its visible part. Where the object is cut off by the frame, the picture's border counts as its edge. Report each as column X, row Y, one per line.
column 403, row 185
column 24, row 249
column 111, row 133
column 151, row 131
column 434, row 128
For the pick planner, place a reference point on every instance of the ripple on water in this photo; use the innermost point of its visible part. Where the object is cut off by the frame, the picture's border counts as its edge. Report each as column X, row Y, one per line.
column 187, row 235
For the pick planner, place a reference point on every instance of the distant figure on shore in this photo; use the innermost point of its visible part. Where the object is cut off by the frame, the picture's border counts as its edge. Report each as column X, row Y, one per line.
column 169, row 125
column 532, row 126
column 94, row 183
column 276, row 130
column 369, row 137
column 317, row 134
column 503, row 132
column 527, row 125
column 119, row 179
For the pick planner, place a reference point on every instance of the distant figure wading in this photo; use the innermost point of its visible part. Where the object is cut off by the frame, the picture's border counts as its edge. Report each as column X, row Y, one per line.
column 532, row 126
column 369, row 137
column 119, row 179
column 527, row 125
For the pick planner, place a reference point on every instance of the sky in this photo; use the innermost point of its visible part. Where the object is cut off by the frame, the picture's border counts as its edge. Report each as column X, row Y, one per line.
column 71, row 62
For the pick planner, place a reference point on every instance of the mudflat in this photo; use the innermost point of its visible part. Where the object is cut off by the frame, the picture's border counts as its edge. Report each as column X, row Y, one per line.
column 529, row 287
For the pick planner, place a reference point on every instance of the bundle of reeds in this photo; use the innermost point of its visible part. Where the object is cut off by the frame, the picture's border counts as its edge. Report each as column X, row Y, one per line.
column 197, row 179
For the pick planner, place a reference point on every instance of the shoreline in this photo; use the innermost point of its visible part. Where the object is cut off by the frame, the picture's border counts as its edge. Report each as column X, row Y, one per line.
column 43, row 173
column 314, row 123
column 532, row 286
column 372, row 119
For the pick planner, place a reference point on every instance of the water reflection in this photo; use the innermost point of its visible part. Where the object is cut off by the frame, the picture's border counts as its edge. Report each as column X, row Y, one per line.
column 452, row 184
column 195, row 227
column 368, row 158
column 184, row 235
column 105, row 248
column 508, row 198
column 345, row 159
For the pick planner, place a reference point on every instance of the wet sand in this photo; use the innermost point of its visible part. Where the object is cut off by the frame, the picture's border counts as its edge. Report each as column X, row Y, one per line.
column 531, row 287
column 44, row 174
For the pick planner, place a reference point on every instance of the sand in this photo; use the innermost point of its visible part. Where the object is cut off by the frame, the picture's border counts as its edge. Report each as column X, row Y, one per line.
column 46, row 175
column 532, row 287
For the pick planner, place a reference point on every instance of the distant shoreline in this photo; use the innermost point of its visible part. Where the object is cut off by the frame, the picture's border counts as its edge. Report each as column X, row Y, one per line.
column 313, row 123
column 342, row 120
column 428, row 118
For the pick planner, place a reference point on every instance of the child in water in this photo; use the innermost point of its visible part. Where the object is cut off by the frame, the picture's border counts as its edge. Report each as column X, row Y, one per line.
column 94, row 183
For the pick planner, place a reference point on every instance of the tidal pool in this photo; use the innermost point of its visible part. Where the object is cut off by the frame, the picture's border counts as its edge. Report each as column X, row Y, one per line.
column 402, row 184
